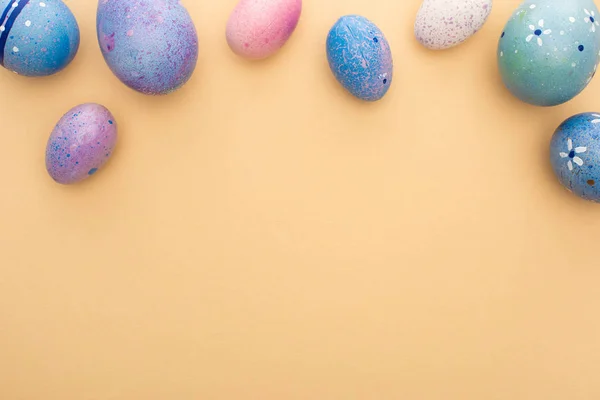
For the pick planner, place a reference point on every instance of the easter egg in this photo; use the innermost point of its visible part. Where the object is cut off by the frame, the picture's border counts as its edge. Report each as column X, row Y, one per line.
column 442, row 24
column 150, row 45
column 258, row 28
column 575, row 155
column 37, row 38
column 360, row 57
column 548, row 51
column 81, row 143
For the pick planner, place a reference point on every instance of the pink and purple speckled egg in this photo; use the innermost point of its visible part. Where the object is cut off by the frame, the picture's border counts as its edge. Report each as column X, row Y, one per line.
column 442, row 24
column 258, row 28
column 150, row 45
column 81, row 143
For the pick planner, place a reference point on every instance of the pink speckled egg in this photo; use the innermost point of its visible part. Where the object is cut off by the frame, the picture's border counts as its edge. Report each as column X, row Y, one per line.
column 258, row 28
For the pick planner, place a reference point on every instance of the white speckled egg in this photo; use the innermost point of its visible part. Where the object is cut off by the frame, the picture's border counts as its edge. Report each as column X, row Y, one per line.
column 442, row 24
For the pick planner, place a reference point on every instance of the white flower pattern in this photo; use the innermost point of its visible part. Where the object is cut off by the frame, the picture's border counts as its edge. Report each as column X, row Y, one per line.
column 591, row 19
column 538, row 32
column 571, row 155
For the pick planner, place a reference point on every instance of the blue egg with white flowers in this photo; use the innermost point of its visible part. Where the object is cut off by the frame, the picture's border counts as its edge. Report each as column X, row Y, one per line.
column 360, row 57
column 37, row 38
column 549, row 50
column 575, row 155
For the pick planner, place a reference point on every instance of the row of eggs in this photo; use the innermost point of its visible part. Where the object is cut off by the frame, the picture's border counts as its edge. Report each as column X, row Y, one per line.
column 547, row 54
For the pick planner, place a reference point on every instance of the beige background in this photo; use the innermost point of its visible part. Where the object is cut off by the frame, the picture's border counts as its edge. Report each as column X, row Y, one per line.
column 262, row 235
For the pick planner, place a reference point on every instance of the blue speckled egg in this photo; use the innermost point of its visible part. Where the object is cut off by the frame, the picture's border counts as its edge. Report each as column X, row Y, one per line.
column 548, row 51
column 37, row 38
column 575, row 155
column 360, row 57
column 150, row 45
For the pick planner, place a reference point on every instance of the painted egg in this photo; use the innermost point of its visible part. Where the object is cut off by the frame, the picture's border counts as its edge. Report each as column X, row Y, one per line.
column 37, row 38
column 442, row 24
column 150, row 45
column 258, row 28
column 360, row 57
column 548, row 51
column 81, row 143
column 575, row 155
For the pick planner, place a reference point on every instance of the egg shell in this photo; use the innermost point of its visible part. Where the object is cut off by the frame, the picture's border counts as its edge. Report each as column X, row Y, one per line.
column 37, row 38
column 360, row 57
column 81, row 143
column 548, row 51
column 442, row 24
column 258, row 28
column 575, row 155
column 150, row 45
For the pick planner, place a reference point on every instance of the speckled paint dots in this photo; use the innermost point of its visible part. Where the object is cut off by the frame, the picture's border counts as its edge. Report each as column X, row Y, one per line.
column 81, row 143
column 150, row 45
column 548, row 51
column 360, row 57
column 575, row 155
column 259, row 28
column 37, row 38
column 442, row 24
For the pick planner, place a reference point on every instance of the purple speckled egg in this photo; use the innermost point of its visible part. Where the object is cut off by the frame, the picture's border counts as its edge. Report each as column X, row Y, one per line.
column 81, row 143
column 150, row 45
column 258, row 28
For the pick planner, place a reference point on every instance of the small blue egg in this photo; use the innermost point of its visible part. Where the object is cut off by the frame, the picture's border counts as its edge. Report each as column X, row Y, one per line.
column 360, row 57
column 37, row 38
column 575, row 155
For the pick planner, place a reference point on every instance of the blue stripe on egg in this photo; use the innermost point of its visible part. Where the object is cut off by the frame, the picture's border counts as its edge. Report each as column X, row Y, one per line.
column 7, row 9
column 12, row 11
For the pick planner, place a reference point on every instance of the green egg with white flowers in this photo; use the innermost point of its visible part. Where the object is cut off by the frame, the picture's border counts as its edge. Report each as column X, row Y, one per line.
column 549, row 50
